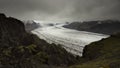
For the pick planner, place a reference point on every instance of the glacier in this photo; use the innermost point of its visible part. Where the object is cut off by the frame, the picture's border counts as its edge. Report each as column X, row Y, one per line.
column 72, row 40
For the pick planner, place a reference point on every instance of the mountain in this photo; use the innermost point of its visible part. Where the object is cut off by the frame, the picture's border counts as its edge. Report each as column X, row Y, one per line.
column 19, row 49
column 104, row 27
column 102, row 54
column 31, row 25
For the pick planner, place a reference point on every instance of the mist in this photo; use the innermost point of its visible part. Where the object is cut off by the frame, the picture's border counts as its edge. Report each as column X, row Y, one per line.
column 61, row 10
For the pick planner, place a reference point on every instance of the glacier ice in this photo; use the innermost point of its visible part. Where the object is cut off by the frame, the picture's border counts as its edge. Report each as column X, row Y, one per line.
column 72, row 40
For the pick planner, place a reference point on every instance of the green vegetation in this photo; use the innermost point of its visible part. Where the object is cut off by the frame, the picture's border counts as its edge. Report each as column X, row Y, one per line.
column 101, row 54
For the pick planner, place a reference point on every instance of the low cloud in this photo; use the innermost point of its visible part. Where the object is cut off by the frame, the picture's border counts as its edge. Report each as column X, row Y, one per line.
column 61, row 10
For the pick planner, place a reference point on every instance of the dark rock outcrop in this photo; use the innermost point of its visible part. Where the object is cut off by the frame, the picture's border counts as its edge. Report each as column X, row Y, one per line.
column 11, row 29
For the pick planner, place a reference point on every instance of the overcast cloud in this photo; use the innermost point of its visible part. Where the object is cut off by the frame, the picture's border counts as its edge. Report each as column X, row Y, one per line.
column 61, row 10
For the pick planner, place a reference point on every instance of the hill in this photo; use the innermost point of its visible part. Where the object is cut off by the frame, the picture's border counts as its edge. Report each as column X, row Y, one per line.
column 101, row 54
column 19, row 49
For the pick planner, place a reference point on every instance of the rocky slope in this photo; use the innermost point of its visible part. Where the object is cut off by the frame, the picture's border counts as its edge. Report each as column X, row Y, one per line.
column 19, row 49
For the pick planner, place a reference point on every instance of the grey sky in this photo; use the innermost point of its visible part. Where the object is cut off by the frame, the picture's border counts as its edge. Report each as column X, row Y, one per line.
column 61, row 10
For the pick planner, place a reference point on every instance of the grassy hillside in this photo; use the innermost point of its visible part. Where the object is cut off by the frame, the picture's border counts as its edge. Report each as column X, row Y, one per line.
column 101, row 54
column 19, row 49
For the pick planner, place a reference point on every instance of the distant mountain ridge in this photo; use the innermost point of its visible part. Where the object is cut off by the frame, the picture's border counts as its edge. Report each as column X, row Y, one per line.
column 105, row 27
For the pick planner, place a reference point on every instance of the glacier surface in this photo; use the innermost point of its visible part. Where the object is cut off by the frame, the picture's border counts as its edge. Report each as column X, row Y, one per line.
column 72, row 40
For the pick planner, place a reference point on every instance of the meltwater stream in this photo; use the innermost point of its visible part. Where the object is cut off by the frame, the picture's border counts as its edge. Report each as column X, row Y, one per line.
column 72, row 40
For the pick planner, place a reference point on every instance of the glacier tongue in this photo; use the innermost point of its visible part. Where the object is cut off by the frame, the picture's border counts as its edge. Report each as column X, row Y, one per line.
column 72, row 40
